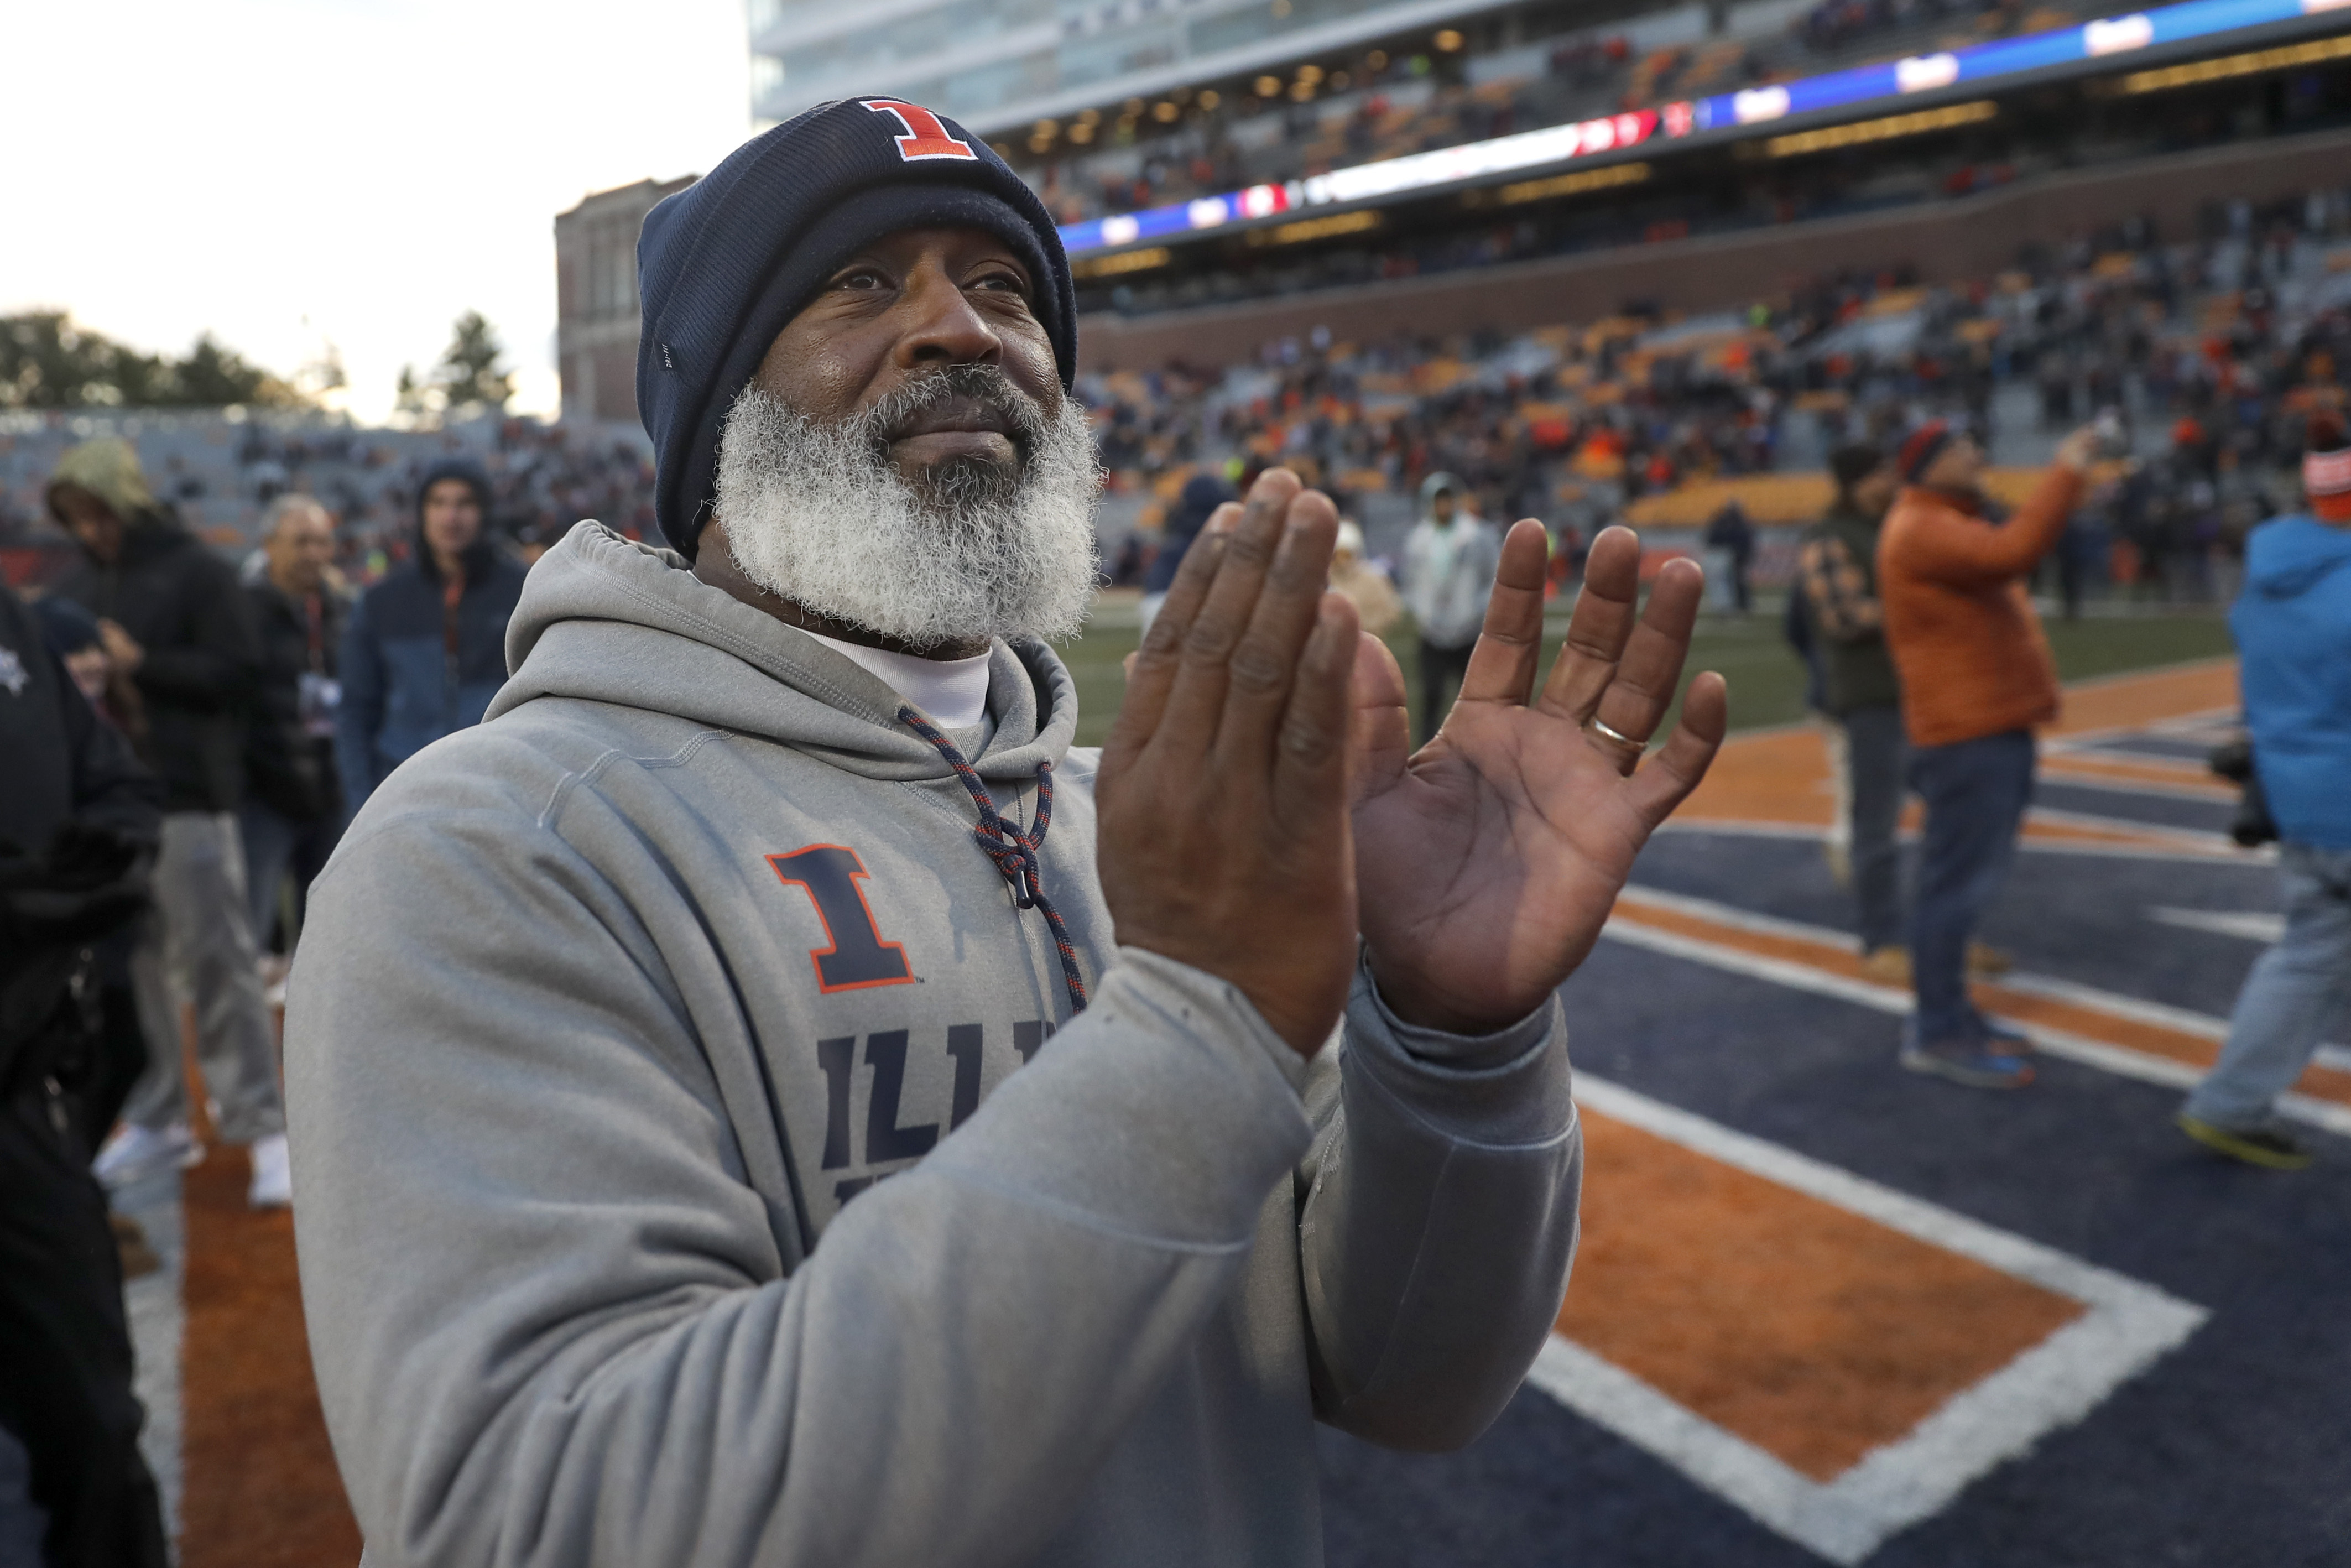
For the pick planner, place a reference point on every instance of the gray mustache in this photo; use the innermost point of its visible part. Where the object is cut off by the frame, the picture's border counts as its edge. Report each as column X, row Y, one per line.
column 984, row 384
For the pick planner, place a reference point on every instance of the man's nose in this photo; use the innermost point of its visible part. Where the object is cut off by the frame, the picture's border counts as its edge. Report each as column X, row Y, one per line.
column 944, row 327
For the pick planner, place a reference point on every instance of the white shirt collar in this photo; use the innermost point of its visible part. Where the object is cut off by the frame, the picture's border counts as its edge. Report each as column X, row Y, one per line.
column 952, row 693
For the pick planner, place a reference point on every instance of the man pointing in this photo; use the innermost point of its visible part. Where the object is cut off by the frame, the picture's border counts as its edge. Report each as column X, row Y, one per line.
column 765, row 1096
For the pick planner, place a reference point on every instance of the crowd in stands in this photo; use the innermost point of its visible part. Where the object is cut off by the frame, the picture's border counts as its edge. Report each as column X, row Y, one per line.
column 221, row 476
column 1379, row 107
column 2210, row 354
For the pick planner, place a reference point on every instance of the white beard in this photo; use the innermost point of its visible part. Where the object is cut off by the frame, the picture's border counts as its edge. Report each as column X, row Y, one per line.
column 818, row 515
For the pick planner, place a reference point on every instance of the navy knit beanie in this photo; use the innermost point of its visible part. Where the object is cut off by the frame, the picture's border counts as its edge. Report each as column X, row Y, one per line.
column 724, row 263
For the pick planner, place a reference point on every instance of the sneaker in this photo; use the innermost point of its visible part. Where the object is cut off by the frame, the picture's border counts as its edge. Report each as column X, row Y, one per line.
column 1964, row 1061
column 2262, row 1146
column 2005, row 1036
column 273, row 1174
column 1986, row 962
column 133, row 1153
column 1887, row 965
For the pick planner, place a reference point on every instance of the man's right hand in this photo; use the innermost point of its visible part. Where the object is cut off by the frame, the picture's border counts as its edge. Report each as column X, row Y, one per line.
column 1222, row 791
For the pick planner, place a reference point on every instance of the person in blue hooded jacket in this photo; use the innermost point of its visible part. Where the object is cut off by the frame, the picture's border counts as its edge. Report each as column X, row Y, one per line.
column 425, row 650
column 2292, row 626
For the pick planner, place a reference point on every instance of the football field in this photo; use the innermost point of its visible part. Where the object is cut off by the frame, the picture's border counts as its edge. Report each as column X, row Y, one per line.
column 1823, row 1311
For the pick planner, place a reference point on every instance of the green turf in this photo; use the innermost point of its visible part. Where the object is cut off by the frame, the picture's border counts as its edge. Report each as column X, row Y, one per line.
column 1767, row 683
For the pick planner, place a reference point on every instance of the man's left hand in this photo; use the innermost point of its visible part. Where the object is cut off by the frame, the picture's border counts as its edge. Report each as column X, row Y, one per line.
column 1487, row 861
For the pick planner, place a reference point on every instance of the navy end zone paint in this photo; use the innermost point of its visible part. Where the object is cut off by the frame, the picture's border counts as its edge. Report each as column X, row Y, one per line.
column 858, row 957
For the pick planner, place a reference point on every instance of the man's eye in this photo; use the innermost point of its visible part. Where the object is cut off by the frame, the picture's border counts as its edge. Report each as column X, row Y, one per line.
column 860, row 278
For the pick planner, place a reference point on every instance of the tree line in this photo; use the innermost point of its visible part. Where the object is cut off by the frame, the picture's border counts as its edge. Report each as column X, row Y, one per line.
column 49, row 361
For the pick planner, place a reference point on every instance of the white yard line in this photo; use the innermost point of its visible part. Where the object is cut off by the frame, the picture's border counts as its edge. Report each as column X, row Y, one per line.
column 2087, row 1051
column 2151, row 788
column 158, row 1320
column 2222, row 852
column 2195, row 841
column 2127, row 1325
column 2250, row 927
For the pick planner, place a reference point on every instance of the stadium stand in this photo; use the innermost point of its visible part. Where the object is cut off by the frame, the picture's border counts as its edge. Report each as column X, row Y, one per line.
column 222, row 469
column 2212, row 349
column 1380, row 103
column 2213, row 352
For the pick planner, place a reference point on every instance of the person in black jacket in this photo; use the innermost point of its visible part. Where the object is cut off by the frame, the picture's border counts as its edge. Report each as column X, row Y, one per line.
column 426, row 651
column 293, row 810
column 78, row 823
column 175, row 621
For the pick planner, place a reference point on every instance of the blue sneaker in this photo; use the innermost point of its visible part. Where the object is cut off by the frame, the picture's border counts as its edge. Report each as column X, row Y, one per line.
column 1966, row 1063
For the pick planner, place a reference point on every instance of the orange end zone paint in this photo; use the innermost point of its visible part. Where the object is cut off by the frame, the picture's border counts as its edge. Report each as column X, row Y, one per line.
column 1810, row 1332
column 1781, row 774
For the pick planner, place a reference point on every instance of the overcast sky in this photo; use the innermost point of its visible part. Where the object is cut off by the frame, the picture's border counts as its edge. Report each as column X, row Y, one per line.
column 375, row 166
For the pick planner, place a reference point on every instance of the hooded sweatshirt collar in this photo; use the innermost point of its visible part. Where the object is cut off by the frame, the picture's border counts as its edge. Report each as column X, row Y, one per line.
column 607, row 619
column 2287, row 561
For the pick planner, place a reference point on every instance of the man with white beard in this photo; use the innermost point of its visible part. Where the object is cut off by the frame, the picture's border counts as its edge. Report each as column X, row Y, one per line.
column 765, row 1096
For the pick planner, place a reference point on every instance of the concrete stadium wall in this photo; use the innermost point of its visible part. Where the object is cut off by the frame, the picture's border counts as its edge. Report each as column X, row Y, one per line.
column 1961, row 238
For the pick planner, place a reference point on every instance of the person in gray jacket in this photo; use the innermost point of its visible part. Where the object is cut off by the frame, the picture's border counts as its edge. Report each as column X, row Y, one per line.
column 765, row 1096
column 1449, row 560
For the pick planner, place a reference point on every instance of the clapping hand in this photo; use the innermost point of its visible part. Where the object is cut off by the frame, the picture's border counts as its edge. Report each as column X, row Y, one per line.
column 1487, row 862
column 1223, row 793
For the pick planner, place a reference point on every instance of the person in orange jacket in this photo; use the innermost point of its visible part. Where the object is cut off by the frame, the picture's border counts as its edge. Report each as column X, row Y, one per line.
column 1977, row 676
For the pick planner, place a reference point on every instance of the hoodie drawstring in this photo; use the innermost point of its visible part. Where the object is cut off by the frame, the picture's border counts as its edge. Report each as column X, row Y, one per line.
column 1014, row 851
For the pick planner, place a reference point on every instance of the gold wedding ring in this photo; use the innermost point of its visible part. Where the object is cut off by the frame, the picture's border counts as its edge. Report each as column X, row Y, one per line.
column 1626, row 749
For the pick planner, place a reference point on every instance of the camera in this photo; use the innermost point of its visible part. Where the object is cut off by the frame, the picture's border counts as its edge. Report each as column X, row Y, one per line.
column 2252, row 826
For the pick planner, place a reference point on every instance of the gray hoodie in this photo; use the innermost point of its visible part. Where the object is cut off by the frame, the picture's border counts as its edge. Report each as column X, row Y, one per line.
column 613, row 1015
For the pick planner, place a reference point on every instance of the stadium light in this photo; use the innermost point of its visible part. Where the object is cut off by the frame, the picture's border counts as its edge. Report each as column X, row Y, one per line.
column 2244, row 65
column 1123, row 261
column 1570, row 184
column 1447, row 41
column 1855, row 132
column 1306, row 229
